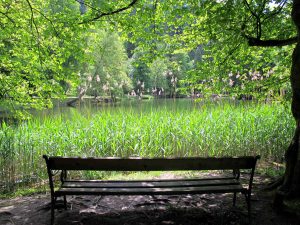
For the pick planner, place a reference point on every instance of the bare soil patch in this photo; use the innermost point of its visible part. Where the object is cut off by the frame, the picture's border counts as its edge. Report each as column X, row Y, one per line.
column 212, row 209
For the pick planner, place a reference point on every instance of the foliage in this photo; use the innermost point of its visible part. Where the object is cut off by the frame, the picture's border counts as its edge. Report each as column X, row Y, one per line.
column 162, row 75
column 139, row 73
column 256, row 72
column 158, row 73
column 224, row 30
column 44, row 44
column 39, row 49
column 106, row 71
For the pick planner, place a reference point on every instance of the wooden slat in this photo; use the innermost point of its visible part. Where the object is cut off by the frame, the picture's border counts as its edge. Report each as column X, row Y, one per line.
column 150, row 191
column 145, row 184
column 150, row 164
column 156, row 180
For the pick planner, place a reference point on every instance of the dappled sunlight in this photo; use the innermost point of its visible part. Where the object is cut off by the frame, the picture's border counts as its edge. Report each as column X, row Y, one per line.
column 206, row 83
column 189, row 209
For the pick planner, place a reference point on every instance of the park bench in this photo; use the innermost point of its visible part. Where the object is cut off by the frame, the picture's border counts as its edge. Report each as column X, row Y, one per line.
column 219, row 184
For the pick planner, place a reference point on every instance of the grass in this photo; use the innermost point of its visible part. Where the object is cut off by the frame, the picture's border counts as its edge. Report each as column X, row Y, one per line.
column 151, row 130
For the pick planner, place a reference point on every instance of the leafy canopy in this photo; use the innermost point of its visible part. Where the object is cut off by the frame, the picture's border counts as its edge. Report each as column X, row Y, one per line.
column 44, row 43
column 40, row 47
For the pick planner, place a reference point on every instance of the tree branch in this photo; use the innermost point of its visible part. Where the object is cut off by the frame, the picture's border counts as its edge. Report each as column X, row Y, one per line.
column 37, row 31
column 279, row 9
column 257, row 17
column 49, row 20
column 251, row 11
column 10, row 19
column 231, row 53
column 154, row 15
column 271, row 42
column 32, row 20
column 102, row 14
column 88, row 5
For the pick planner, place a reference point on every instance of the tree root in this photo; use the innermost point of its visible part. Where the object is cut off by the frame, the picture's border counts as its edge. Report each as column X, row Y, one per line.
column 275, row 184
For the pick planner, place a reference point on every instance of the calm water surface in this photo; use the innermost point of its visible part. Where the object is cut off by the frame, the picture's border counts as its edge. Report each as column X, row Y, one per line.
column 88, row 108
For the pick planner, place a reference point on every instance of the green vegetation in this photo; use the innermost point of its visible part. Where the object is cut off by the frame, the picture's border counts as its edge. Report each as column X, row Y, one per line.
column 168, row 48
column 157, row 129
column 106, row 72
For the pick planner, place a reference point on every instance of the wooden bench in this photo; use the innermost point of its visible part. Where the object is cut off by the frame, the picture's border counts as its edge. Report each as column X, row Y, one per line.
column 223, row 184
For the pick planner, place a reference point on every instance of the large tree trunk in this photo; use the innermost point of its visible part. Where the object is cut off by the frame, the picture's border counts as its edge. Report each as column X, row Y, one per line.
column 291, row 184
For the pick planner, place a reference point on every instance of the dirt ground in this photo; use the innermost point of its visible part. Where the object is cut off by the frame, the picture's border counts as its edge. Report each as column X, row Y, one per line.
column 212, row 209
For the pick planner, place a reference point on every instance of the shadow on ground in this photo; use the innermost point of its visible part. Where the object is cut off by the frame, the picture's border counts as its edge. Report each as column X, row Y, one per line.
column 212, row 209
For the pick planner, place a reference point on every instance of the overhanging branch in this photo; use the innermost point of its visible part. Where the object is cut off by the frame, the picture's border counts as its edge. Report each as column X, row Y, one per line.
column 271, row 42
column 9, row 18
column 260, row 17
column 102, row 14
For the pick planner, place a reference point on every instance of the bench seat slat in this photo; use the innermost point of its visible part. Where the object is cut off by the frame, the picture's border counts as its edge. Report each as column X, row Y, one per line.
column 150, row 191
column 147, row 183
column 156, row 180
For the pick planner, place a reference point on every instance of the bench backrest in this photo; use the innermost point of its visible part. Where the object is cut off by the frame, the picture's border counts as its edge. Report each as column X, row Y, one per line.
column 150, row 164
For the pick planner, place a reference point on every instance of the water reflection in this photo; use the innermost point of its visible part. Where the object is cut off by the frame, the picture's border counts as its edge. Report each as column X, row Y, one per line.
column 88, row 107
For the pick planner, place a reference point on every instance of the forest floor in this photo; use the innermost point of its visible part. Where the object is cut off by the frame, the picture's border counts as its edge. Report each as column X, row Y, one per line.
column 212, row 209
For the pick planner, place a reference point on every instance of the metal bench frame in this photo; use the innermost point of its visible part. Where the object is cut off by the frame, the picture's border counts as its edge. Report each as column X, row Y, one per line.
column 226, row 184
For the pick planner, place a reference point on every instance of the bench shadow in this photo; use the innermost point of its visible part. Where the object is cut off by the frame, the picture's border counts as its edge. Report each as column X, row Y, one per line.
column 164, row 210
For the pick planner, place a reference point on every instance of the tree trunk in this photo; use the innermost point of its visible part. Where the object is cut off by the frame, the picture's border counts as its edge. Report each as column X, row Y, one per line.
column 79, row 97
column 291, row 184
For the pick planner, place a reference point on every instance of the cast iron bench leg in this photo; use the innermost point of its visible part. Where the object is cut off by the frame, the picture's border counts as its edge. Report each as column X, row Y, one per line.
column 65, row 201
column 234, row 198
column 52, row 209
column 247, row 196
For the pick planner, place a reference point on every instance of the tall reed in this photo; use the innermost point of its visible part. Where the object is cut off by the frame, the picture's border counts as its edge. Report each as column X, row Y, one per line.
column 153, row 130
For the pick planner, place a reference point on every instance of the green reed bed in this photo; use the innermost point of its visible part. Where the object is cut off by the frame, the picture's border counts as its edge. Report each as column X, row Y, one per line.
column 215, row 129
